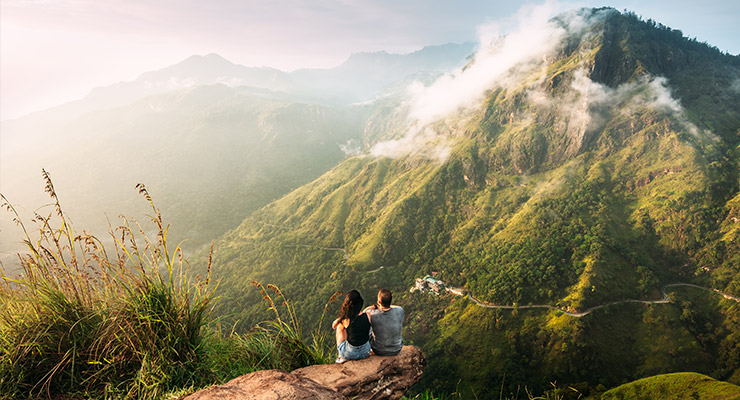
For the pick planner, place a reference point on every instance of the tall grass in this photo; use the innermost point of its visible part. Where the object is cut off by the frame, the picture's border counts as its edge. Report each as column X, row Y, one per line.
column 83, row 322
column 282, row 342
column 80, row 320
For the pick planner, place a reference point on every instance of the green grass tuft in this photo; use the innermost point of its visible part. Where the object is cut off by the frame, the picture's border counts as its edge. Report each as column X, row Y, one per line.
column 82, row 322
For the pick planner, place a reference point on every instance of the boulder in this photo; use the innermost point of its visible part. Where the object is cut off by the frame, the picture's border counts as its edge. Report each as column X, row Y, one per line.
column 267, row 385
column 376, row 377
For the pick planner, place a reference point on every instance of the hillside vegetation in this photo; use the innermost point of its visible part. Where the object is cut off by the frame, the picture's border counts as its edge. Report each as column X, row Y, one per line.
column 684, row 385
column 214, row 140
column 125, row 321
column 604, row 174
column 211, row 154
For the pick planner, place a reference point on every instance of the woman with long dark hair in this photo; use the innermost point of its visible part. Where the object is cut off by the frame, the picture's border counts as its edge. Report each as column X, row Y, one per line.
column 352, row 328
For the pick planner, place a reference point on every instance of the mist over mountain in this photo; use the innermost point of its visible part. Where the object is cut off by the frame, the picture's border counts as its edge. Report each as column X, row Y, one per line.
column 360, row 78
column 210, row 154
column 584, row 162
column 213, row 140
column 578, row 162
column 193, row 71
column 366, row 75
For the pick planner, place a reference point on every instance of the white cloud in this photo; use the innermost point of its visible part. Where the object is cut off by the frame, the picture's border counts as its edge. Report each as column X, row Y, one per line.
column 736, row 85
column 418, row 142
column 595, row 102
column 178, row 83
column 500, row 61
column 351, row 148
column 659, row 96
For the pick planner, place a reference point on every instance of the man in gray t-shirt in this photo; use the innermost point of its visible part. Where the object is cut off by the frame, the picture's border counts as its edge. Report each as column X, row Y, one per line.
column 387, row 322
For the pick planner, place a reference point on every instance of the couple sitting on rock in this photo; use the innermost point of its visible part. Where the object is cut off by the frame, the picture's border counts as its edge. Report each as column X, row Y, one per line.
column 376, row 328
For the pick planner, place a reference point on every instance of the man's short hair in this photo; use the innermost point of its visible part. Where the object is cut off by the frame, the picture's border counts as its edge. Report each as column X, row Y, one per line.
column 385, row 298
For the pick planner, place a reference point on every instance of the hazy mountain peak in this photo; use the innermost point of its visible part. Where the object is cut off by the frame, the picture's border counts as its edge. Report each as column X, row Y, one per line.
column 215, row 56
column 364, row 54
column 199, row 68
column 209, row 60
column 429, row 55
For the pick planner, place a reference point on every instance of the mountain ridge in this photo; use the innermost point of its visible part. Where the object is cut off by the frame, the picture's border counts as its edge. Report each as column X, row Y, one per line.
column 123, row 119
column 561, row 188
column 213, row 68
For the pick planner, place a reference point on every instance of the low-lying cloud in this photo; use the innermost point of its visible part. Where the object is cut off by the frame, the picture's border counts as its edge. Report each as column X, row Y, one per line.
column 423, row 142
column 514, row 60
column 351, row 148
column 594, row 102
column 499, row 62
column 736, row 85
column 502, row 60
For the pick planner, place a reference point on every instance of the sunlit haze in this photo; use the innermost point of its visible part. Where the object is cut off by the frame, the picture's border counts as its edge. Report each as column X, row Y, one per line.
column 54, row 51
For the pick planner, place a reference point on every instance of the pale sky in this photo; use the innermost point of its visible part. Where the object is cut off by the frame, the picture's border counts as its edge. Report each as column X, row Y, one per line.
column 53, row 51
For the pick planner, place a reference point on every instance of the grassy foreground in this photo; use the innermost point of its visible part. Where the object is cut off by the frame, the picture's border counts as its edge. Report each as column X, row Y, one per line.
column 127, row 322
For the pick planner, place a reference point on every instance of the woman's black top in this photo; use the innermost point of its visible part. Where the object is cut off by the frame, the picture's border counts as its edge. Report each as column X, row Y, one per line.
column 358, row 331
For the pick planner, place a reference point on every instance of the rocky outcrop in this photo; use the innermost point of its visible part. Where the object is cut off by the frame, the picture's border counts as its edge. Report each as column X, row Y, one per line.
column 376, row 377
column 272, row 384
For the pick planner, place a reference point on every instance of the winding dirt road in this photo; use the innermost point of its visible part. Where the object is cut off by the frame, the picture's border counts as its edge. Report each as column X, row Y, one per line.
column 665, row 299
column 464, row 293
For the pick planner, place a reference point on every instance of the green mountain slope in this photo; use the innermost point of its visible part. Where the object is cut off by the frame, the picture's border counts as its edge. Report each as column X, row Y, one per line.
column 685, row 385
column 210, row 154
column 603, row 175
column 213, row 140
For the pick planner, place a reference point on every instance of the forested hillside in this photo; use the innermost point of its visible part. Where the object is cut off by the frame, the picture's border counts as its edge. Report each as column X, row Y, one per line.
column 212, row 153
column 604, row 170
column 214, row 140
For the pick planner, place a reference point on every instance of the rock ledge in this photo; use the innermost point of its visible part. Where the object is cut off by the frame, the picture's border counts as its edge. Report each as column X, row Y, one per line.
column 373, row 378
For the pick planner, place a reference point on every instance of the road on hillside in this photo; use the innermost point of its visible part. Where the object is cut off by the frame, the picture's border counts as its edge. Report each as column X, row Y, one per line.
column 464, row 293
column 665, row 299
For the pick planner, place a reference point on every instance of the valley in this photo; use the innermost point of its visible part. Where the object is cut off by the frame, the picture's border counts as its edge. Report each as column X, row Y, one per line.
column 574, row 185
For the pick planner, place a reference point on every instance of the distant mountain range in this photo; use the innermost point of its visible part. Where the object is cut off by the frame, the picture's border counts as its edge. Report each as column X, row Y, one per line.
column 361, row 78
column 212, row 139
column 365, row 76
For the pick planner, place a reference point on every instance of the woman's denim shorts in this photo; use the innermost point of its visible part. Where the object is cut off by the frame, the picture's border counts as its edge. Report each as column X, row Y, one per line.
column 350, row 352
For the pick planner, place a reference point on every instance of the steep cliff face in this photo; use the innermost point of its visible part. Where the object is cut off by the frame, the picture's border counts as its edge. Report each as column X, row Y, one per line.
column 699, row 75
column 599, row 172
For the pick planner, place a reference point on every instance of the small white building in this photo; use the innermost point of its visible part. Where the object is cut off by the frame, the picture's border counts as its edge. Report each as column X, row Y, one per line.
column 429, row 284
